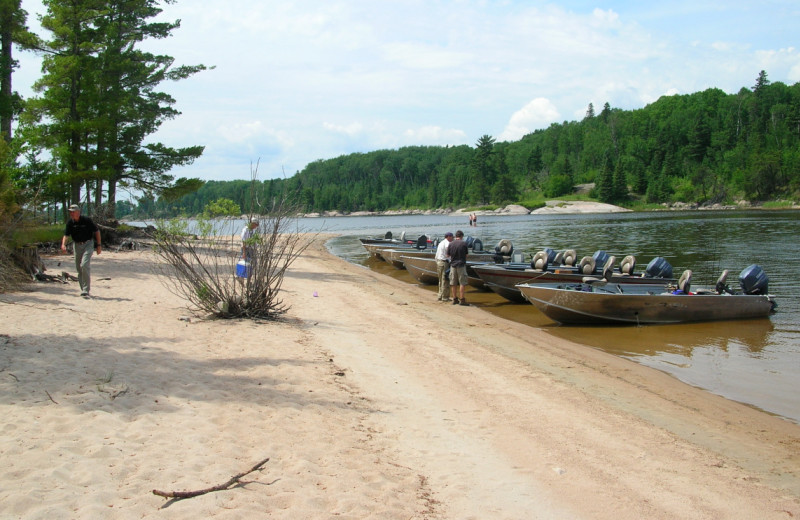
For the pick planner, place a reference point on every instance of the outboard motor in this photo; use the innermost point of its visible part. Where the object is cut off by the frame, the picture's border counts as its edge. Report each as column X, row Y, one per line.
column 422, row 242
column 551, row 254
column 600, row 258
column 658, row 268
column 754, row 280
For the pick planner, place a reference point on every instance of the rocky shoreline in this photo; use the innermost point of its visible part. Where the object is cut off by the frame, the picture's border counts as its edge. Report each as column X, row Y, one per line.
column 551, row 207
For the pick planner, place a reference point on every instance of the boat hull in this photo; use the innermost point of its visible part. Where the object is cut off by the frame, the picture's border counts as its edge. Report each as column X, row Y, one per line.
column 423, row 269
column 643, row 305
column 503, row 279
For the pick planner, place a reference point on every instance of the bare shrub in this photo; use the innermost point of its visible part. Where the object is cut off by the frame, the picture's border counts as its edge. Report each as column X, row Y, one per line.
column 201, row 267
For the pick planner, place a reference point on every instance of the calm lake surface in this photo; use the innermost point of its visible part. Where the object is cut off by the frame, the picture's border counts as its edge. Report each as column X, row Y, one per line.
column 756, row 362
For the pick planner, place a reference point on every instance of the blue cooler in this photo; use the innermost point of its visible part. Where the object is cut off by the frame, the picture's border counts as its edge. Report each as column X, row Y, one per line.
column 242, row 269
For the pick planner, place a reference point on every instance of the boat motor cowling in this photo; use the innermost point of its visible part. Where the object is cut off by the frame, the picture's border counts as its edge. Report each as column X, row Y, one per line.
column 658, row 268
column 551, row 254
column 600, row 258
column 753, row 280
column 422, row 242
column 477, row 245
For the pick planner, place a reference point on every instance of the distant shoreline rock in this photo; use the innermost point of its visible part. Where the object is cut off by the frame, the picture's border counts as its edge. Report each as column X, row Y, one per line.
column 552, row 207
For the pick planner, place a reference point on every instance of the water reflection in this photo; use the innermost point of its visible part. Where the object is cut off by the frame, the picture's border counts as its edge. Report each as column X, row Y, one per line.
column 655, row 340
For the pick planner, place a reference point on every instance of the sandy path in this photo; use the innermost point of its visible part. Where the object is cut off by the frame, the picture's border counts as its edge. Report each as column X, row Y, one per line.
column 372, row 401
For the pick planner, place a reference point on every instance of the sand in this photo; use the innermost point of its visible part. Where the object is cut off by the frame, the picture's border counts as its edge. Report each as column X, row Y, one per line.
column 371, row 400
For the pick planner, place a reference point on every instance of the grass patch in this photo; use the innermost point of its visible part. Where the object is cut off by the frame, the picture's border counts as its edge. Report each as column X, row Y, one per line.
column 488, row 207
column 778, row 204
column 33, row 235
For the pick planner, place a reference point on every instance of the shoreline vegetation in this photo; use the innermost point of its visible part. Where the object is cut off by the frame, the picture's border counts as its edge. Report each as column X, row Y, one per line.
column 459, row 414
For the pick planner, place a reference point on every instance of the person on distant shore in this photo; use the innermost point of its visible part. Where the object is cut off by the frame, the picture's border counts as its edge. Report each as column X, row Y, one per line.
column 442, row 265
column 85, row 239
column 248, row 233
column 457, row 251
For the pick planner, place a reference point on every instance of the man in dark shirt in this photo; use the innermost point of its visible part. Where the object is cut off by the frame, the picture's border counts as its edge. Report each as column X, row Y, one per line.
column 86, row 239
column 457, row 251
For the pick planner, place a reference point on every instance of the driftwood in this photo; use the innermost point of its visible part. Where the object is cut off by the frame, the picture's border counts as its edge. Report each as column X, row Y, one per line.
column 178, row 495
column 28, row 258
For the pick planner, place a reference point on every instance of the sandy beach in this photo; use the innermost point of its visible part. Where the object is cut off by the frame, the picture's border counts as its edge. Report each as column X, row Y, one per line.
column 370, row 399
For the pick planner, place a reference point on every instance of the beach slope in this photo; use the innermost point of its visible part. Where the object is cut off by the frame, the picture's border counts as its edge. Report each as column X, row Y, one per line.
column 371, row 400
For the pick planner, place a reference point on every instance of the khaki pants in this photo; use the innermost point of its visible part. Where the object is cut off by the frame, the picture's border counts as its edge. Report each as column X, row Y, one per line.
column 83, row 259
column 444, row 284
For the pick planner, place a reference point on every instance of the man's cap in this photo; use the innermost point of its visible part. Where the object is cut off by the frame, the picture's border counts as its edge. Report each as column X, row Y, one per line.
column 74, row 207
column 448, row 234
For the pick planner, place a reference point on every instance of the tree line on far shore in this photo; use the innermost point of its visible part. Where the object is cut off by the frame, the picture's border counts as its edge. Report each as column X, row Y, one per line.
column 706, row 147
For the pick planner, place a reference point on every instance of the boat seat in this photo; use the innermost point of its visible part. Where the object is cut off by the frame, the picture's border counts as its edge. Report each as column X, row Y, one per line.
column 586, row 265
column 608, row 272
column 402, row 236
column 570, row 257
column 559, row 258
column 721, row 285
column 627, row 265
column 685, row 282
column 719, row 288
column 504, row 247
column 608, row 268
column 539, row 262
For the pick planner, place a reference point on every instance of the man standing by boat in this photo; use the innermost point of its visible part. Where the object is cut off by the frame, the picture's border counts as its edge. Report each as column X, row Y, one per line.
column 85, row 240
column 457, row 251
column 442, row 265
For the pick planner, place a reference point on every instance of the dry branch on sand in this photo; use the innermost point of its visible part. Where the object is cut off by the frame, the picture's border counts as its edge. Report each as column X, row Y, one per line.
column 178, row 495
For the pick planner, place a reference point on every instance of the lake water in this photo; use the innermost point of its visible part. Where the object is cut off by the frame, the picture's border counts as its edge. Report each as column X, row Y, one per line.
column 755, row 361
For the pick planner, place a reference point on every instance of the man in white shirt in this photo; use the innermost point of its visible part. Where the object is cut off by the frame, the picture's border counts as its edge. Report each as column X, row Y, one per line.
column 442, row 264
column 249, row 231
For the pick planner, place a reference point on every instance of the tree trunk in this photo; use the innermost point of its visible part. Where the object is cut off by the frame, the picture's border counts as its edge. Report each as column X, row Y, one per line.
column 6, row 60
column 98, row 194
column 112, row 198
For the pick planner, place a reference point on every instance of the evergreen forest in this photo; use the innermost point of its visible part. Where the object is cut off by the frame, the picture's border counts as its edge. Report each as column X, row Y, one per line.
column 706, row 147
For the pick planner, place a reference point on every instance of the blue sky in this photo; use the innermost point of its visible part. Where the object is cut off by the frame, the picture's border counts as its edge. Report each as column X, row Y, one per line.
column 300, row 81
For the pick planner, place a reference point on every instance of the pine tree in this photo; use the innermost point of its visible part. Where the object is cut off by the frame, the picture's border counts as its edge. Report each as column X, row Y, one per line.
column 605, row 184
column 98, row 102
column 620, row 183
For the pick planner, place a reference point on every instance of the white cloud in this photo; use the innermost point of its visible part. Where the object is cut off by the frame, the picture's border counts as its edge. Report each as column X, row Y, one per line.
column 301, row 81
column 351, row 130
column 538, row 113
column 241, row 132
column 435, row 135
